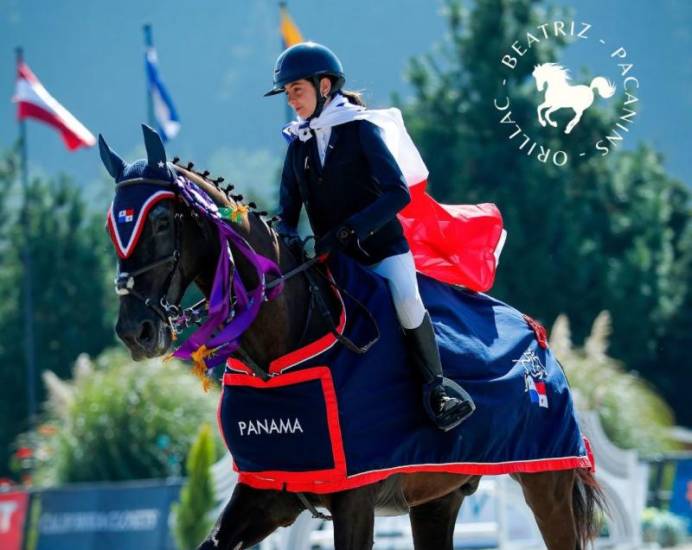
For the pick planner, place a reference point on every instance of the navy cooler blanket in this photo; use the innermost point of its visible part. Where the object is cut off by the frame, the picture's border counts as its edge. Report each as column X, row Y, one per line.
column 331, row 419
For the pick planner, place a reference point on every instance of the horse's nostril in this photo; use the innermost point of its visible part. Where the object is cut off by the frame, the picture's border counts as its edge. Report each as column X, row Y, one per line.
column 146, row 332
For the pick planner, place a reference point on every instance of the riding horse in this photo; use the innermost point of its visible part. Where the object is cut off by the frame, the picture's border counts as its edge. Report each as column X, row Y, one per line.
column 173, row 247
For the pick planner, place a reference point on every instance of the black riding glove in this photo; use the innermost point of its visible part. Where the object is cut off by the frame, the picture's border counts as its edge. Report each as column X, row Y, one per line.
column 296, row 245
column 343, row 236
column 291, row 239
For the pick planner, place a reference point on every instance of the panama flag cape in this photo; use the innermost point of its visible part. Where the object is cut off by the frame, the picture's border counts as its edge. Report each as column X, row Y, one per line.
column 454, row 243
column 34, row 101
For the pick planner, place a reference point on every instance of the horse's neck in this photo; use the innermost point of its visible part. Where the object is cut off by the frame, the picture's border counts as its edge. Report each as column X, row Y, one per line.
column 557, row 83
column 282, row 321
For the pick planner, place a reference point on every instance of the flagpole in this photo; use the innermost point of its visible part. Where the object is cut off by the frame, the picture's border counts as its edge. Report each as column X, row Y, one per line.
column 289, row 111
column 29, row 346
column 149, row 43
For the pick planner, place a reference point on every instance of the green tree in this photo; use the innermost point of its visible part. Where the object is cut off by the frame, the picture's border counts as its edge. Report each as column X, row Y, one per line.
column 192, row 522
column 119, row 420
column 72, row 300
column 606, row 233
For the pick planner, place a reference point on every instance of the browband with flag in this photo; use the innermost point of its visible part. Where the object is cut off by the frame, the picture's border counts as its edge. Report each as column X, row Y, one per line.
column 129, row 211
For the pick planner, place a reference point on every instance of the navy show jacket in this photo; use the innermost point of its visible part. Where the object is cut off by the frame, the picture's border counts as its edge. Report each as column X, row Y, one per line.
column 360, row 185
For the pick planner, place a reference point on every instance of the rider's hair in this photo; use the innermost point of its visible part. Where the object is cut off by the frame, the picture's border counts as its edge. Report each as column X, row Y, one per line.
column 353, row 97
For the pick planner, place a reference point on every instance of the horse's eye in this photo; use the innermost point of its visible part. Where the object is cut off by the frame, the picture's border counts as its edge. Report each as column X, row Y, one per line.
column 161, row 225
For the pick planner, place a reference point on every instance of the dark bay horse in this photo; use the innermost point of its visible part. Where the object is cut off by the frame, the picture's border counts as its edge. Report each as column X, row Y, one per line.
column 566, row 504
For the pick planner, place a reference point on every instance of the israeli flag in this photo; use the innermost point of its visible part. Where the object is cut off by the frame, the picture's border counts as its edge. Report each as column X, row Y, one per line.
column 164, row 111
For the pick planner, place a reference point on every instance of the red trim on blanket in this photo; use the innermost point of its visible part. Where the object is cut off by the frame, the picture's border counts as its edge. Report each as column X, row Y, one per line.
column 312, row 482
column 218, row 417
column 220, row 426
column 539, row 330
column 293, row 358
column 324, row 375
column 589, row 453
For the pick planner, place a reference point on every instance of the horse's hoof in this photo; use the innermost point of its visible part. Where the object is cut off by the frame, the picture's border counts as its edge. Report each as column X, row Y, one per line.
column 552, row 123
column 541, row 122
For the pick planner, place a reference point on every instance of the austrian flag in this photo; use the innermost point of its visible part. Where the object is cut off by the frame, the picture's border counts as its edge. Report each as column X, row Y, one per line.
column 34, row 101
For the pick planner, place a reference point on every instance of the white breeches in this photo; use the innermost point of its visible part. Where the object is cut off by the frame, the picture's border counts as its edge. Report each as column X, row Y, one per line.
column 400, row 272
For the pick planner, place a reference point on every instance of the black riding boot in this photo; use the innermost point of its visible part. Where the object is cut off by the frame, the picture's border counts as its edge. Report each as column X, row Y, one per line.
column 446, row 411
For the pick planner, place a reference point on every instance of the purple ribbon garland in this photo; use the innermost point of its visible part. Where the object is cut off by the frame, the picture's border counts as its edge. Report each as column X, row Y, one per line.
column 225, row 323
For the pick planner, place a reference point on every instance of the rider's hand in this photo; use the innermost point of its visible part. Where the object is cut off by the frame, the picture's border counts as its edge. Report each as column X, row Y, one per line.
column 295, row 245
column 343, row 237
column 289, row 235
column 326, row 243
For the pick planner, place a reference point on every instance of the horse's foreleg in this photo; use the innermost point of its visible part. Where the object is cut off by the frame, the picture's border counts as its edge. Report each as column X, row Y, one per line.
column 433, row 523
column 549, row 495
column 353, row 513
column 250, row 516
column 538, row 111
column 549, row 112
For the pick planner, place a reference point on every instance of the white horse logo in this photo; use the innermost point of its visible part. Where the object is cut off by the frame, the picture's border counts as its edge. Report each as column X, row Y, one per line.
column 560, row 94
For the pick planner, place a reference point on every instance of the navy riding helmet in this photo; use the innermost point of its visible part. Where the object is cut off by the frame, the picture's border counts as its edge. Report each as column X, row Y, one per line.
column 311, row 61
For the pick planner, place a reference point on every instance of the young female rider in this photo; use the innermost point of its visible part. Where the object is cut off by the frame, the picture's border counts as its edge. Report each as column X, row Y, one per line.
column 352, row 188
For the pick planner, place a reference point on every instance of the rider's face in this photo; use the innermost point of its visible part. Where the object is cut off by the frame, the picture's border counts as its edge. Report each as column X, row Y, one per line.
column 302, row 98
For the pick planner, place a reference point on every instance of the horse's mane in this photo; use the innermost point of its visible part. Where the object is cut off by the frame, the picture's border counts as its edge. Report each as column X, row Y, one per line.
column 554, row 68
column 221, row 196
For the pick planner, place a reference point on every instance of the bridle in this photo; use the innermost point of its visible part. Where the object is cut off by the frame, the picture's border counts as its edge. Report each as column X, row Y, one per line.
column 176, row 318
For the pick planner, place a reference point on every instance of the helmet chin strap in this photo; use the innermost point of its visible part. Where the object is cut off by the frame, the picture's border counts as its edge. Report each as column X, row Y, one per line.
column 321, row 100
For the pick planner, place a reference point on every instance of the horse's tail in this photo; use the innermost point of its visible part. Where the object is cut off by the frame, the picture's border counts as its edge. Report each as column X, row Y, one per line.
column 588, row 502
column 604, row 87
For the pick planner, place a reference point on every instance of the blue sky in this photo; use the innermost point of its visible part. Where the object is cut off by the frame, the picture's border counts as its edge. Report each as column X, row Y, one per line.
column 216, row 59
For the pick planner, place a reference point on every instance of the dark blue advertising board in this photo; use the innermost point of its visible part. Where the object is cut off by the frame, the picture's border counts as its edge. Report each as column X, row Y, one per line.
column 121, row 516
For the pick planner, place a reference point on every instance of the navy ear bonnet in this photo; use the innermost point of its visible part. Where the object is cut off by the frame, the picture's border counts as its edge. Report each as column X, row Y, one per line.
column 154, row 166
column 132, row 203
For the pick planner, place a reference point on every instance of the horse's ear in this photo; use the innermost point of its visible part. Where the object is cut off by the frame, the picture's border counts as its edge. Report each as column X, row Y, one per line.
column 156, row 153
column 113, row 163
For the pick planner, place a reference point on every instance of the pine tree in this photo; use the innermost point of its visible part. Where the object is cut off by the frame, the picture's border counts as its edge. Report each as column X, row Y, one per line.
column 606, row 234
column 192, row 521
column 73, row 302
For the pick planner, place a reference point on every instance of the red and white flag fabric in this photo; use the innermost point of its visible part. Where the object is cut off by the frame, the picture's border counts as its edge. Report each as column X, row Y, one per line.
column 454, row 243
column 34, row 101
column 458, row 244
